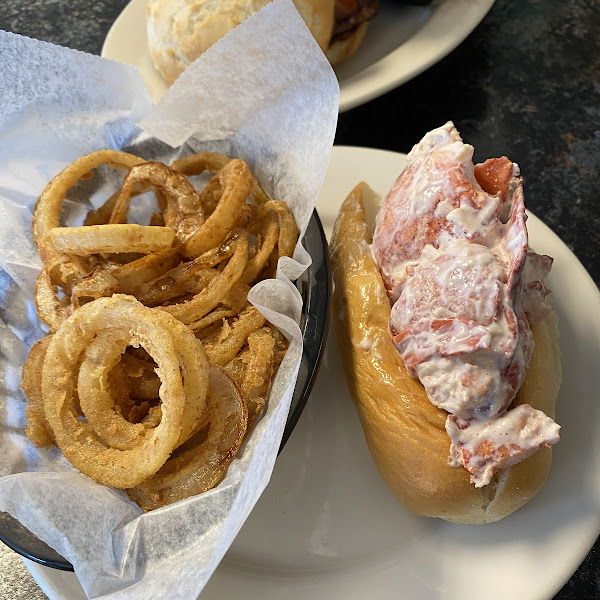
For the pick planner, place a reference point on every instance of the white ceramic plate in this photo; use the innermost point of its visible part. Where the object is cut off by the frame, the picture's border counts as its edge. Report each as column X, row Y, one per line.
column 401, row 42
column 327, row 528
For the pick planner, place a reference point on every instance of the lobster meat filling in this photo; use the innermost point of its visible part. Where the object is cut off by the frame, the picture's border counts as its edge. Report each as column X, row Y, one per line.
column 452, row 247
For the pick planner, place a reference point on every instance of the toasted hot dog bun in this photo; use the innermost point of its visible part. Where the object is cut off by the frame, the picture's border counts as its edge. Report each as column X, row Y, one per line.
column 405, row 433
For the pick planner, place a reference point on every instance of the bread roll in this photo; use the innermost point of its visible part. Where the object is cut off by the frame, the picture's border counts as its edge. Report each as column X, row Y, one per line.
column 405, row 433
column 179, row 31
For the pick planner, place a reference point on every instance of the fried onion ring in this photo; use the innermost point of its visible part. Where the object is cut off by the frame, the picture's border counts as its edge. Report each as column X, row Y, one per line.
column 223, row 350
column 75, row 437
column 46, row 215
column 96, row 401
column 175, row 281
column 213, row 293
column 133, row 276
column 269, row 236
column 51, row 309
column 237, row 181
column 289, row 230
column 200, row 467
column 195, row 164
column 37, row 428
column 94, row 239
column 181, row 205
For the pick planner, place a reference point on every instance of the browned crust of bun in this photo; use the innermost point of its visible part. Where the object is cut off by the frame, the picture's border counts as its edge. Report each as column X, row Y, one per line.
column 405, row 433
column 341, row 49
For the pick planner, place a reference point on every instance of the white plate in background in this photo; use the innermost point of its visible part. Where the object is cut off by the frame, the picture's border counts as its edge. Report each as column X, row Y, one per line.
column 327, row 528
column 401, row 42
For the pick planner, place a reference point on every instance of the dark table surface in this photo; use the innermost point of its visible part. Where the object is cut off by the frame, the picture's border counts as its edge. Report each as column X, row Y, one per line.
column 525, row 83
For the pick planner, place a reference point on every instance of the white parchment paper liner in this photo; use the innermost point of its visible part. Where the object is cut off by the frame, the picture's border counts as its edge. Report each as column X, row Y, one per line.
column 264, row 93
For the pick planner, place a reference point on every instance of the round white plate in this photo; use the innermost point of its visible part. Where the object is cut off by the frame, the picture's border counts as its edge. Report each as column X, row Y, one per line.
column 401, row 42
column 327, row 528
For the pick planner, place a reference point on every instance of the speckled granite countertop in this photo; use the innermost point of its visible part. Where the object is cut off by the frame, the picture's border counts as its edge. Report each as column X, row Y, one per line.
column 526, row 81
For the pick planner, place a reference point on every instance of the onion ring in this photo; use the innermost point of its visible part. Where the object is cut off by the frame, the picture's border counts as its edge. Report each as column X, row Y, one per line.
column 268, row 227
column 182, row 207
column 212, row 317
column 94, row 239
column 258, row 371
column 50, row 309
column 99, row 283
column 288, row 235
column 133, row 276
column 76, row 438
column 65, row 270
column 95, row 399
column 175, row 281
column 195, row 164
column 200, row 467
column 37, row 428
column 237, row 182
column 212, row 294
column 222, row 351
column 46, row 215
column 95, row 393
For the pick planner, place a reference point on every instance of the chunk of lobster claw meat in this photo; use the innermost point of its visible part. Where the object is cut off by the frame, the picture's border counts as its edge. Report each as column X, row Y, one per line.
column 484, row 447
